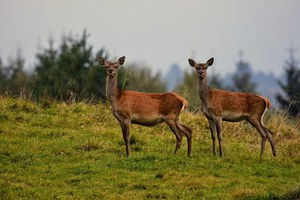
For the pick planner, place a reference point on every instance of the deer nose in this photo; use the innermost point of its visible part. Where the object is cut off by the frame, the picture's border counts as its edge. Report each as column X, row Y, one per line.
column 110, row 70
column 201, row 75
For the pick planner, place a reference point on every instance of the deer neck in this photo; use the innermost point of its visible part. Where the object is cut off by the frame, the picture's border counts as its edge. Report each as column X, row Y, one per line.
column 112, row 90
column 203, row 92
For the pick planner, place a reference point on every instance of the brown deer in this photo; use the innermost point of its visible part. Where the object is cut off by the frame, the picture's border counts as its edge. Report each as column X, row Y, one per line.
column 146, row 109
column 218, row 105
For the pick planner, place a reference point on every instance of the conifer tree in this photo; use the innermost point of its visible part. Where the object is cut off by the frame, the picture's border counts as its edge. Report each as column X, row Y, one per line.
column 242, row 78
column 290, row 100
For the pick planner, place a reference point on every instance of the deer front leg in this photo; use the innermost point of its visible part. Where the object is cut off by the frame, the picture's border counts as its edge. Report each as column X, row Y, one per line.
column 218, row 124
column 126, row 135
column 212, row 127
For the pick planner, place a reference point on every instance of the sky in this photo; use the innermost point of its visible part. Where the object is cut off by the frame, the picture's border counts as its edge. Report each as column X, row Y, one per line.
column 159, row 33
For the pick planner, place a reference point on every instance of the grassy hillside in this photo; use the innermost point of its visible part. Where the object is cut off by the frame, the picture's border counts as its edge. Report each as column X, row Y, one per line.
column 76, row 151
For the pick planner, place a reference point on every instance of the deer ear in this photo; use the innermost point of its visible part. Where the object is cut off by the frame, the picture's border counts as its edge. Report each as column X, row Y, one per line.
column 210, row 62
column 192, row 63
column 101, row 61
column 121, row 60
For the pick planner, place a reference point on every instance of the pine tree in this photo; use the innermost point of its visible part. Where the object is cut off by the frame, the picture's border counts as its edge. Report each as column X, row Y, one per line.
column 2, row 77
column 290, row 100
column 69, row 72
column 18, row 83
column 13, row 79
column 241, row 79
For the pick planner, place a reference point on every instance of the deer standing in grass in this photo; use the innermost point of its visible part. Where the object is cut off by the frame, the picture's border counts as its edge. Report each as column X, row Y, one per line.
column 146, row 109
column 218, row 105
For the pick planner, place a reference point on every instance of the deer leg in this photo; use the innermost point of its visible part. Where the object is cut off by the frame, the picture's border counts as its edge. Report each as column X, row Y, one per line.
column 126, row 135
column 260, row 128
column 263, row 144
column 212, row 127
column 188, row 133
column 271, row 140
column 218, row 123
column 177, row 133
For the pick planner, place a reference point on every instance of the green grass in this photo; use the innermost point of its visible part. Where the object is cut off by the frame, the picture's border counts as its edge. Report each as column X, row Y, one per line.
column 54, row 150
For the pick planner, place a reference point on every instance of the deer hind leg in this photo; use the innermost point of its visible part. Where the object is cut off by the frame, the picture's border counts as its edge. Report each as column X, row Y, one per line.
column 126, row 135
column 212, row 127
column 188, row 133
column 176, row 131
column 260, row 128
column 218, row 124
column 271, row 140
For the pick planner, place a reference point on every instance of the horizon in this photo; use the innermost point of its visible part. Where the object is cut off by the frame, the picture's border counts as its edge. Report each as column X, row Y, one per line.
column 159, row 33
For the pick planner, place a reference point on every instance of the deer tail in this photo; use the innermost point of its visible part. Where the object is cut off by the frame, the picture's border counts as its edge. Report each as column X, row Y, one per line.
column 183, row 101
column 267, row 103
column 185, row 104
column 267, row 106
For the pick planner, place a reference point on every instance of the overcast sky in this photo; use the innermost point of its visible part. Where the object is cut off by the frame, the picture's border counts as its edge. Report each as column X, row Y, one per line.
column 159, row 32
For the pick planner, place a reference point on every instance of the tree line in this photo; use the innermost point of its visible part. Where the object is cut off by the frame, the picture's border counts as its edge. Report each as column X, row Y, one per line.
column 71, row 72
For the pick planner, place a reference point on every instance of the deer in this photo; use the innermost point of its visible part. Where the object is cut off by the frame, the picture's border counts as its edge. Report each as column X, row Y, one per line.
column 147, row 109
column 219, row 105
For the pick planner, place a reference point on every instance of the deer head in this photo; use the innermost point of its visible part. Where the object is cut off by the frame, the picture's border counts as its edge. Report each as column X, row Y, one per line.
column 111, row 67
column 201, row 67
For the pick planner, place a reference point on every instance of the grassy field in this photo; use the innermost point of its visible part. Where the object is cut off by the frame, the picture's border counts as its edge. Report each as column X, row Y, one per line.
column 75, row 151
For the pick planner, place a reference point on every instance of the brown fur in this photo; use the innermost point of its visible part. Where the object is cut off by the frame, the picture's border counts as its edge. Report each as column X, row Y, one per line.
column 146, row 109
column 220, row 105
column 239, row 104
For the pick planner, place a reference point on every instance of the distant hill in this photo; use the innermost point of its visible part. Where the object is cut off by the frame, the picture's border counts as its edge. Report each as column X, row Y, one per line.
column 174, row 77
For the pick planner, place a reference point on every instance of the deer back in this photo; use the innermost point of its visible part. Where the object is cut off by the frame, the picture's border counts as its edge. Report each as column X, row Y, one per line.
column 236, row 104
column 150, row 103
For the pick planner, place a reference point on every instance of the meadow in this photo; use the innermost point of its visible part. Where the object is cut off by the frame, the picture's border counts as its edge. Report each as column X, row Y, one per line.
column 54, row 150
